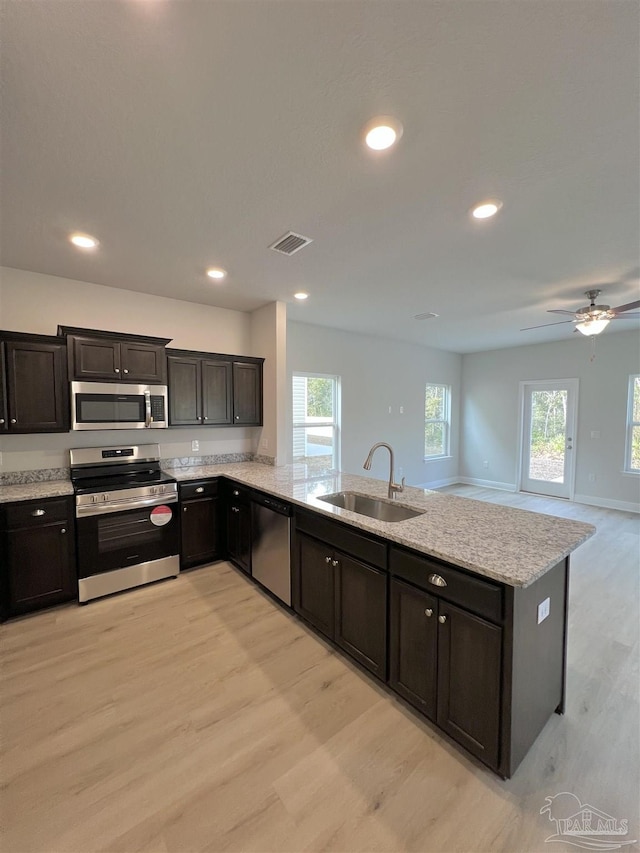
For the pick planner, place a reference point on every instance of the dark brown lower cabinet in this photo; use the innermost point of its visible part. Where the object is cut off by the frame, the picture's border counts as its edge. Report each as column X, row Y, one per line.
column 447, row 662
column 361, row 612
column 469, row 680
column 413, row 641
column 239, row 528
column 345, row 599
column 38, row 565
column 200, row 527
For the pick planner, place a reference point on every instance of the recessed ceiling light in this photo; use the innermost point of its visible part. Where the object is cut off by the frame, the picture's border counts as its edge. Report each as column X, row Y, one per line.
column 382, row 132
column 217, row 273
column 301, row 295
column 84, row 241
column 486, row 209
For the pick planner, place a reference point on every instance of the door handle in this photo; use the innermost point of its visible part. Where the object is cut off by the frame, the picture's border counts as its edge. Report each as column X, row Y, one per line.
column 147, row 409
column 437, row 580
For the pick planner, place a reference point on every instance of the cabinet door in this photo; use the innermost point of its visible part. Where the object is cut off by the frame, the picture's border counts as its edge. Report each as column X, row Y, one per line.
column 361, row 613
column 41, row 566
column 239, row 534
column 247, row 393
column 216, row 392
column 316, row 584
column 143, row 363
column 95, row 358
column 4, row 415
column 37, row 385
column 469, row 670
column 413, row 647
column 185, row 399
column 200, row 532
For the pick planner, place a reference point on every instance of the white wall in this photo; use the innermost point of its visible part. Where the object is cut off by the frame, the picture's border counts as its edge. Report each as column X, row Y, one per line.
column 490, row 411
column 31, row 302
column 377, row 373
column 269, row 339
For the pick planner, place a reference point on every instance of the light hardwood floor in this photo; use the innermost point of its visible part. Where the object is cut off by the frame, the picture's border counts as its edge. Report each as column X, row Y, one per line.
column 195, row 715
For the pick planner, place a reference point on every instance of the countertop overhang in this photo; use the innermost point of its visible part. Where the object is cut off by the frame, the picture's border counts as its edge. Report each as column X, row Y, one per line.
column 512, row 546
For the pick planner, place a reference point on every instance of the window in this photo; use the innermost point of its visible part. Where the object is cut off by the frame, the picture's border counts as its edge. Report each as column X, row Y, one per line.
column 632, row 456
column 316, row 419
column 436, row 421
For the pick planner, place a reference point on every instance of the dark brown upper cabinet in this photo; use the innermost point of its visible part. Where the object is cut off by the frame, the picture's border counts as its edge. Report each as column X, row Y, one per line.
column 100, row 356
column 34, row 392
column 247, row 392
column 207, row 389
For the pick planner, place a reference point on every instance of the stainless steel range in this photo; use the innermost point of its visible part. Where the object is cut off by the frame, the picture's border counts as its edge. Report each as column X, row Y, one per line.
column 127, row 527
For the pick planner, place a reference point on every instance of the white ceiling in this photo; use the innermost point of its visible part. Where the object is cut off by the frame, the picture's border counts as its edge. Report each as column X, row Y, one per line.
column 193, row 133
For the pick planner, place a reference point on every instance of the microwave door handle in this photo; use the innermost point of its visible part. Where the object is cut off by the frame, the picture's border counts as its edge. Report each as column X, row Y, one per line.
column 147, row 409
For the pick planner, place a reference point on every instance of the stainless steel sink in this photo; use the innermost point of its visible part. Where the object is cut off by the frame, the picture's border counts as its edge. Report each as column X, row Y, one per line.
column 373, row 507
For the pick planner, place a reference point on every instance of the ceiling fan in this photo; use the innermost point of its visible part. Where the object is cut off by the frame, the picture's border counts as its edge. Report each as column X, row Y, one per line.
column 592, row 319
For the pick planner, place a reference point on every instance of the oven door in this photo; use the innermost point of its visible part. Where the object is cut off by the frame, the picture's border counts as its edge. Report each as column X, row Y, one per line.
column 122, row 539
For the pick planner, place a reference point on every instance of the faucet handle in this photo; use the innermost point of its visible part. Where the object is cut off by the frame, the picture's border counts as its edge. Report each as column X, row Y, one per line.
column 402, row 485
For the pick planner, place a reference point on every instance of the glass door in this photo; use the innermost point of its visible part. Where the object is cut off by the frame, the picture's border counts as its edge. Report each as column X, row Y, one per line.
column 548, row 437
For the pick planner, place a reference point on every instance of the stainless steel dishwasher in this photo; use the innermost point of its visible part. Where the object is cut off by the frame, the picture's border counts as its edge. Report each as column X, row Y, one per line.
column 270, row 549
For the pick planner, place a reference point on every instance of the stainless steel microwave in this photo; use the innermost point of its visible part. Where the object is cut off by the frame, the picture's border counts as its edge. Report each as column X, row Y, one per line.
column 103, row 405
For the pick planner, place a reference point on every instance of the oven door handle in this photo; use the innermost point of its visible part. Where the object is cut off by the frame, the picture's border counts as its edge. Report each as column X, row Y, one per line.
column 147, row 409
column 123, row 506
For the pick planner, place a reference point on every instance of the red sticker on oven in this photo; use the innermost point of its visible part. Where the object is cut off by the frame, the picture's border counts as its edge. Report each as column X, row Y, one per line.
column 160, row 515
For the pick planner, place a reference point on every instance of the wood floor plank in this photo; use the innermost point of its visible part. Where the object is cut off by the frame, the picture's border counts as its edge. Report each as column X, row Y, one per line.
column 195, row 715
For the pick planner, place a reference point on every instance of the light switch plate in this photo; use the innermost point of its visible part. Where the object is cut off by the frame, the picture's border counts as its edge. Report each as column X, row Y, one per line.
column 543, row 610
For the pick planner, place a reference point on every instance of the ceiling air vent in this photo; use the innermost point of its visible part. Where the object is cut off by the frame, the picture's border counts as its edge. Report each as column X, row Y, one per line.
column 428, row 316
column 290, row 243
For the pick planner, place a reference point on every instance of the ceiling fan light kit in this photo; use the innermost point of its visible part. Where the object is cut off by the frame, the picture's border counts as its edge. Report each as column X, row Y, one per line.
column 592, row 319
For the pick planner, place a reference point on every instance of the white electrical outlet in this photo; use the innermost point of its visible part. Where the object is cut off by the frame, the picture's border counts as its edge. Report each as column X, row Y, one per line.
column 195, row 445
column 402, row 410
column 485, row 464
column 389, row 409
column 543, row 610
column 595, row 433
column 264, row 443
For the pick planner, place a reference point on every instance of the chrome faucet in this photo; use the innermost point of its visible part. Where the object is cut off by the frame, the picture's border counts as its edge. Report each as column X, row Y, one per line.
column 393, row 487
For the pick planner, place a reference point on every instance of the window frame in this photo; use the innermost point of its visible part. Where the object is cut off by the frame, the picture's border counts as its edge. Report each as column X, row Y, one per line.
column 628, row 468
column 445, row 421
column 336, row 406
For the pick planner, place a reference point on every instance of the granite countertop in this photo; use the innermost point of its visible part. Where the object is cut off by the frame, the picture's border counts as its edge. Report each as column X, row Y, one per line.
column 512, row 546
column 35, row 490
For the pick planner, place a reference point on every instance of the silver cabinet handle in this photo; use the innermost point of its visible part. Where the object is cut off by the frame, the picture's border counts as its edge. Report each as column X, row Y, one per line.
column 1, row 420
column 237, row 417
column 125, row 370
column 184, row 509
column 428, row 611
column 206, row 418
column 38, row 512
column 64, row 530
column 117, row 370
column 327, row 560
column 235, row 509
column 14, row 421
column 442, row 619
column 334, row 562
column 236, row 493
column 437, row 580
column 200, row 489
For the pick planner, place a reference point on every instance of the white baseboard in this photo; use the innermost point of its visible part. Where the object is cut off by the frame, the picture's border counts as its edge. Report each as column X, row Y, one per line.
column 487, row 484
column 607, row 503
column 436, row 484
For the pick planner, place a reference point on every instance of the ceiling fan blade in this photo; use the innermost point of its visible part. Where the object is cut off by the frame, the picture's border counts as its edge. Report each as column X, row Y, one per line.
column 624, row 316
column 559, row 311
column 628, row 307
column 544, row 325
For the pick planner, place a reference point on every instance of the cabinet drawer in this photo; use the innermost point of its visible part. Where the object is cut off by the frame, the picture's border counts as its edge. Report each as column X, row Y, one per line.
column 479, row 596
column 199, row 489
column 36, row 513
column 341, row 537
